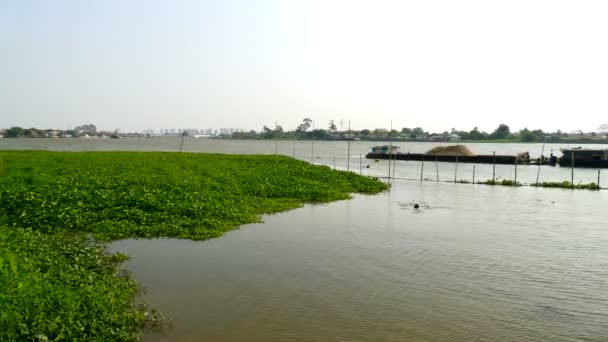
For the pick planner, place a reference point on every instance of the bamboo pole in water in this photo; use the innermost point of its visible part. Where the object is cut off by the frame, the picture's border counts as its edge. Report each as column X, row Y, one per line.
column 494, row 166
column 394, row 165
column 181, row 145
column 540, row 162
column 334, row 162
column 456, row 170
column 360, row 164
column 276, row 138
column 312, row 144
column 572, row 168
column 598, row 178
column 516, row 170
column 389, row 162
column 348, row 149
column 422, row 169
column 390, row 150
column 437, row 168
column 473, row 173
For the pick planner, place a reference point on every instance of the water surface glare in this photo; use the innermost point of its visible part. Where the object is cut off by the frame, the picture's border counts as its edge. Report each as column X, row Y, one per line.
column 474, row 263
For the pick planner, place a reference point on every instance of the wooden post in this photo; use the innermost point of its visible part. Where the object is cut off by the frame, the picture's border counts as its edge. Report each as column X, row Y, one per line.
column 276, row 139
column 456, row 170
column 422, row 169
column 181, row 145
column 515, row 170
column 494, row 166
column 540, row 162
column 348, row 149
column 389, row 161
column 598, row 178
column 572, row 176
column 437, row 168
column 360, row 164
column 473, row 173
column 312, row 144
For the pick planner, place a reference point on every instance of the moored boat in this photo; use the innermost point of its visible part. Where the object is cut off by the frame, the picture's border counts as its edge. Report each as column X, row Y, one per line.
column 455, row 153
column 584, row 157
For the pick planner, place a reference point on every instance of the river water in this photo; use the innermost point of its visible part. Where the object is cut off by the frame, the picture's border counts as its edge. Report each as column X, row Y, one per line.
column 344, row 156
column 473, row 263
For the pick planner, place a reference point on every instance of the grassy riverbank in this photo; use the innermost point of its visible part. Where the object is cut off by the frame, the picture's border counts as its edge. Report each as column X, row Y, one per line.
column 55, row 283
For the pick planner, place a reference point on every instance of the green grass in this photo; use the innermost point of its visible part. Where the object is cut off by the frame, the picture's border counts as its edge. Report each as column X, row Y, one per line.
column 58, row 284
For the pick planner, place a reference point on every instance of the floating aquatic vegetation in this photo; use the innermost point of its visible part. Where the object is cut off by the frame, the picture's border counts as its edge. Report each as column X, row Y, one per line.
column 504, row 182
column 567, row 185
column 58, row 287
column 129, row 194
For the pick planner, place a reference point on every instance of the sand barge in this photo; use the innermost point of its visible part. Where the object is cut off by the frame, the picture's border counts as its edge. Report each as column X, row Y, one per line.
column 454, row 150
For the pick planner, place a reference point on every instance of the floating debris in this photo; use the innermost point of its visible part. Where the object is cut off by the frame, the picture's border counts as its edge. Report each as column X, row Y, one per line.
column 416, row 205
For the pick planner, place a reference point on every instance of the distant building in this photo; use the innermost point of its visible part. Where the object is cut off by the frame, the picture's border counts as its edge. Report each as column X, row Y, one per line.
column 453, row 137
column 52, row 134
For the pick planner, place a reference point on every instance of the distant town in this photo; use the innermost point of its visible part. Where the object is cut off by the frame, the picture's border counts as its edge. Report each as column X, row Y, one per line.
column 91, row 131
column 307, row 131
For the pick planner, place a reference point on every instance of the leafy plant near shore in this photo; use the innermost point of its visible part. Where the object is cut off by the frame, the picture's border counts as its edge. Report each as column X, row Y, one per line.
column 567, row 185
column 63, row 288
column 196, row 196
column 504, row 182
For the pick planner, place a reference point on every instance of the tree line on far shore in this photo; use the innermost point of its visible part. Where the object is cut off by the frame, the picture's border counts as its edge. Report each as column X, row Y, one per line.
column 304, row 131
column 20, row 132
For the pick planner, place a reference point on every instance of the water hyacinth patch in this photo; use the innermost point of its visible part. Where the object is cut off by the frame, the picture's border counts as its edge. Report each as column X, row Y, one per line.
column 567, row 185
column 63, row 288
column 503, row 182
column 147, row 194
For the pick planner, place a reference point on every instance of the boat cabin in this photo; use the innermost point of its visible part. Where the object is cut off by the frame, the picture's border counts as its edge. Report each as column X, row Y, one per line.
column 384, row 149
column 584, row 157
column 585, row 153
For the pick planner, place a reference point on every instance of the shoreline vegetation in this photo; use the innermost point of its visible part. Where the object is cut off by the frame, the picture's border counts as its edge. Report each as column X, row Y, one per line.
column 509, row 182
column 59, row 209
column 306, row 131
column 560, row 185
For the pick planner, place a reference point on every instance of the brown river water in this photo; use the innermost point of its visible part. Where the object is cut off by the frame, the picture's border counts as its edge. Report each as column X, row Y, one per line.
column 473, row 263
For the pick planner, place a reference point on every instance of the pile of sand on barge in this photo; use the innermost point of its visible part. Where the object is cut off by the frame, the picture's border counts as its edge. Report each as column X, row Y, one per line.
column 456, row 150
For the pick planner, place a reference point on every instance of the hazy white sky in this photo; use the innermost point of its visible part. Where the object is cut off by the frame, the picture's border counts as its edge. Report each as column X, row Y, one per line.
column 156, row 64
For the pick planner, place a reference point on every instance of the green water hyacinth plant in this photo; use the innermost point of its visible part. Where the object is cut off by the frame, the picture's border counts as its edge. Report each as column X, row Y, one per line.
column 567, row 185
column 63, row 288
column 503, row 182
column 116, row 195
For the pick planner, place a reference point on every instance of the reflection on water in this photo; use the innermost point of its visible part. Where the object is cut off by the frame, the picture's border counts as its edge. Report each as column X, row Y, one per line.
column 474, row 263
